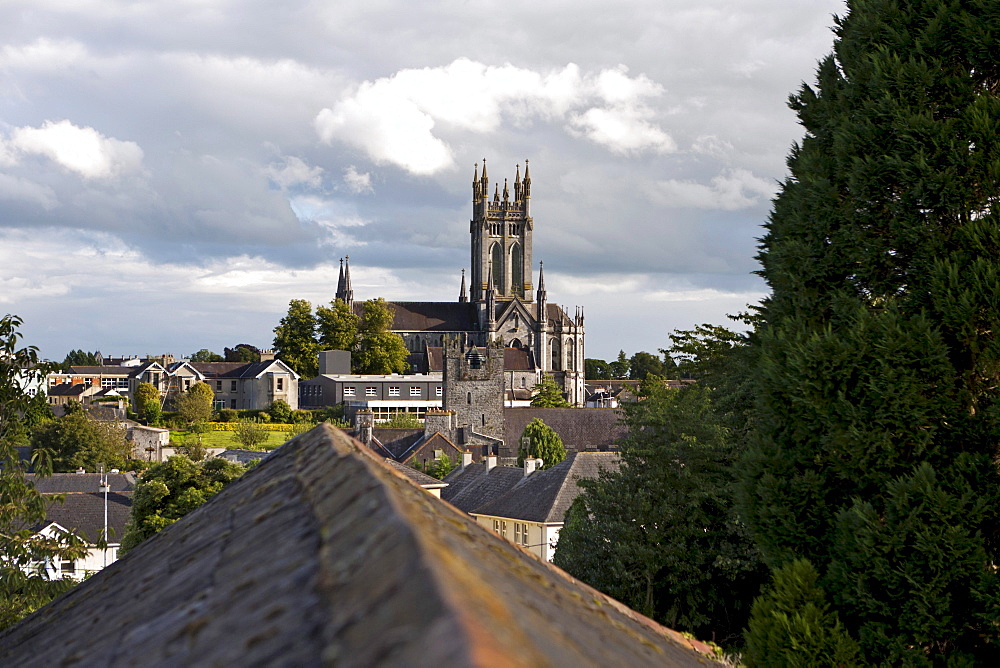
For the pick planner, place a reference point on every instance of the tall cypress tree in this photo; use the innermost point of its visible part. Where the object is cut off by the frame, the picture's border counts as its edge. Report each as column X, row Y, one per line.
column 877, row 434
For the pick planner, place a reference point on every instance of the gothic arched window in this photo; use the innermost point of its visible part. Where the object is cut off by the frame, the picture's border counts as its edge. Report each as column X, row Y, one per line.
column 497, row 255
column 570, row 355
column 516, row 270
column 556, row 354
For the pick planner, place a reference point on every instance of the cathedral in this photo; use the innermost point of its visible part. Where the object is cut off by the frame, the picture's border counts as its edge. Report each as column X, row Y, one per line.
column 501, row 302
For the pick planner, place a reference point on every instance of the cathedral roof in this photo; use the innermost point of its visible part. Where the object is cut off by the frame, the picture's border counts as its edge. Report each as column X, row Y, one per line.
column 514, row 359
column 431, row 316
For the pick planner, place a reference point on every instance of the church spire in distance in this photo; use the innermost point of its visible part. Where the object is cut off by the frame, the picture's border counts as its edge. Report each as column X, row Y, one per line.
column 463, row 296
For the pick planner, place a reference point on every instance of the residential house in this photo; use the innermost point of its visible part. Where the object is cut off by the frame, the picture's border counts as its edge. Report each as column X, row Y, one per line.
column 324, row 555
column 103, row 381
column 533, row 511
column 82, row 512
column 240, row 385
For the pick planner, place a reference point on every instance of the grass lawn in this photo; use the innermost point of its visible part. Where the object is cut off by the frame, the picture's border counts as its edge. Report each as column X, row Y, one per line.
column 224, row 439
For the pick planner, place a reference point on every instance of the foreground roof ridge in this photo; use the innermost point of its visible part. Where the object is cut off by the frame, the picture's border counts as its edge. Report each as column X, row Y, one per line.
column 324, row 555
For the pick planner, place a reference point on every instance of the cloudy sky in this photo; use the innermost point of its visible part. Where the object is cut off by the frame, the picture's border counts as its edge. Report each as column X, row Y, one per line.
column 173, row 173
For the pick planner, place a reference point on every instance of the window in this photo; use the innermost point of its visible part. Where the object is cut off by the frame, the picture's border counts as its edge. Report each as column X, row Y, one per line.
column 524, row 535
column 218, row 386
column 218, row 404
column 468, row 398
column 503, row 528
column 437, row 391
column 122, row 383
column 393, row 390
column 370, row 392
column 496, row 526
column 67, row 567
column 281, row 384
column 107, row 382
column 517, row 533
column 414, row 391
column 187, row 384
column 232, row 403
column 232, row 386
column 349, row 391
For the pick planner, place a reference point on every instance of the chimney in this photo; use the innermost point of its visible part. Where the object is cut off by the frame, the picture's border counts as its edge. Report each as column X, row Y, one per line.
column 364, row 422
column 266, row 355
column 491, row 462
column 531, row 465
column 466, row 458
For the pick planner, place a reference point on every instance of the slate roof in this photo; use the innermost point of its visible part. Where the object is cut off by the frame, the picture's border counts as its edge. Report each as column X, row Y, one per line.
column 67, row 390
column 223, row 370
column 413, row 474
column 474, row 486
column 396, row 442
column 59, row 483
column 427, row 446
column 322, row 555
column 545, row 496
column 431, row 316
column 83, row 514
column 579, row 428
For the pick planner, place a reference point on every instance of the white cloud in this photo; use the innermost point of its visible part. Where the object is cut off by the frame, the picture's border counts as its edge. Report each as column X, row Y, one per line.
column 405, row 119
column 81, row 150
column 357, row 182
column 43, row 54
column 731, row 190
column 295, row 172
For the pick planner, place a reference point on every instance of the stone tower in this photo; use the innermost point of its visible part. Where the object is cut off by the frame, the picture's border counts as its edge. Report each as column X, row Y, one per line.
column 501, row 237
column 473, row 386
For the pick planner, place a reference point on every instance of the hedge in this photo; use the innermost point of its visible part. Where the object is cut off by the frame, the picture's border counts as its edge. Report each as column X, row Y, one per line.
column 266, row 426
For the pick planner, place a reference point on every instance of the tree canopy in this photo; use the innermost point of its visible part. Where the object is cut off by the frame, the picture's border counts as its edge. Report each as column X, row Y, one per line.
column 541, row 441
column 147, row 403
column 196, row 404
column 295, row 339
column 172, row 489
column 24, row 582
column 79, row 358
column 242, row 352
column 206, row 355
column 548, row 394
column 337, row 326
column 379, row 350
column 875, row 446
column 76, row 441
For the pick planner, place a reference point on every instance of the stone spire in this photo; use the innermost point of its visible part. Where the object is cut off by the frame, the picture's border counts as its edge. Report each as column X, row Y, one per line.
column 340, row 281
column 506, row 191
column 463, row 296
column 517, row 183
column 540, row 294
column 526, row 190
column 344, row 292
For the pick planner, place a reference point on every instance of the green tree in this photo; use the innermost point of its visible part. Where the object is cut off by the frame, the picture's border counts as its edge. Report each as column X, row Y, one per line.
column 661, row 534
column 439, row 468
column 169, row 491
column 620, row 367
column 792, row 625
column 24, row 582
column 548, row 394
column 643, row 364
column 379, row 350
column 879, row 348
column 595, row 369
column 75, row 440
column 250, row 433
column 196, row 404
column 79, row 358
column 337, row 326
column 147, row 403
column 242, row 352
column 295, row 340
column 206, row 355
column 539, row 440
column 280, row 411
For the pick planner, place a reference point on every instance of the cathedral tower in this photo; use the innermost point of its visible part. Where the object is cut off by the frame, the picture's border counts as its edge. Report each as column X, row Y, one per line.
column 501, row 230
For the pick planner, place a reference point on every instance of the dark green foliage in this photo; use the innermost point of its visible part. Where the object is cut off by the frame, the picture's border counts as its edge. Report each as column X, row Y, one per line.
column 542, row 442
column 169, row 491
column 280, row 411
column 620, row 367
column 337, row 326
column 250, row 434
column 879, row 352
column 74, row 441
column 548, row 394
column 79, row 358
column 196, row 404
column 147, row 403
column 206, row 355
column 438, row 468
column 642, row 364
column 295, row 339
column 661, row 534
column 595, row 369
column 792, row 625
column 243, row 352
column 24, row 583
column 379, row 350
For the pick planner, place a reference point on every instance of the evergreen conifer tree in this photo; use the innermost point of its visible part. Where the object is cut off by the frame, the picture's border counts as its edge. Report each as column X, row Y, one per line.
column 877, row 423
